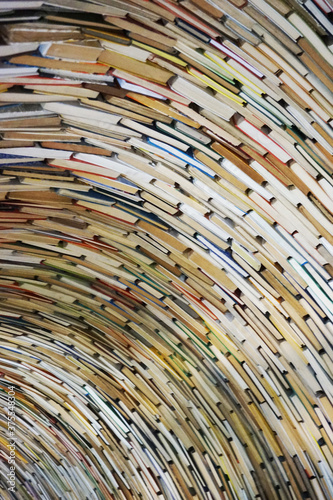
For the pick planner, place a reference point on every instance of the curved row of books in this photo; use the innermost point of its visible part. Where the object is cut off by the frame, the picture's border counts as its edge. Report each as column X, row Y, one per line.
column 166, row 250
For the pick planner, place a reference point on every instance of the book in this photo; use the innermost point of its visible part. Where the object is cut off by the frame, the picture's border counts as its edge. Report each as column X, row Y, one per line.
column 166, row 249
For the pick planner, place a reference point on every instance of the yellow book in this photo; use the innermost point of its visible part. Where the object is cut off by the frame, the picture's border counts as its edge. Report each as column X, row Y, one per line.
column 161, row 53
column 216, row 86
column 234, row 73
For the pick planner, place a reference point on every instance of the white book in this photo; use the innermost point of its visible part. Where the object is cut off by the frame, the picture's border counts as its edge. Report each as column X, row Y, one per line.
column 79, row 77
column 277, row 18
column 83, row 6
column 324, row 6
column 215, row 199
column 277, row 238
column 20, row 4
column 18, row 97
column 321, row 18
column 132, row 87
column 87, row 123
column 323, row 241
column 25, row 110
column 78, row 111
column 17, row 48
column 188, row 140
column 327, row 187
column 310, row 35
column 202, row 98
column 38, row 81
column 263, row 140
column 192, row 132
column 156, row 151
column 127, row 50
column 239, row 174
column 12, row 19
column 188, row 160
column 36, row 152
column 127, row 122
column 320, row 87
column 207, row 224
column 320, row 269
column 110, row 164
column 7, row 70
column 101, row 144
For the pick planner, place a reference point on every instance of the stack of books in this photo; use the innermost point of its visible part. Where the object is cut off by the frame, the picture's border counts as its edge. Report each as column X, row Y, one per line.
column 166, row 249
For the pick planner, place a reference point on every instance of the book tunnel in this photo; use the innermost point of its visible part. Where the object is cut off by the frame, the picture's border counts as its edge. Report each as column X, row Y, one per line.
column 166, row 250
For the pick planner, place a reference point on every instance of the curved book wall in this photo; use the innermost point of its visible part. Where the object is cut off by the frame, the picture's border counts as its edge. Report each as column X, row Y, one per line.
column 166, row 250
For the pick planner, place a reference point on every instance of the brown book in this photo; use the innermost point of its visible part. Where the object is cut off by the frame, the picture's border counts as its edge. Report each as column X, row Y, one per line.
column 15, row 144
column 33, row 121
column 115, row 109
column 207, row 7
column 59, row 18
column 293, row 96
column 23, row 32
column 271, row 27
column 238, row 161
column 312, row 218
column 157, row 109
column 108, row 35
column 273, row 31
column 39, row 136
column 137, row 29
column 43, row 62
column 62, row 90
column 73, row 51
column 239, row 3
column 162, row 236
column 154, row 87
column 148, row 71
column 259, row 56
column 138, row 108
column 323, row 133
column 324, row 155
column 213, row 271
column 220, row 171
column 33, row 175
column 153, row 43
column 77, row 148
column 312, row 53
column 106, row 90
column 317, row 70
column 156, row 9
column 243, row 33
column 41, row 197
column 302, row 96
column 278, row 169
column 154, row 200
column 20, row 97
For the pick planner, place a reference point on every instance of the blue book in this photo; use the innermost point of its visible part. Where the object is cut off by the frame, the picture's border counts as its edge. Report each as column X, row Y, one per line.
column 142, row 214
column 203, row 37
column 182, row 156
column 91, row 196
column 223, row 255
